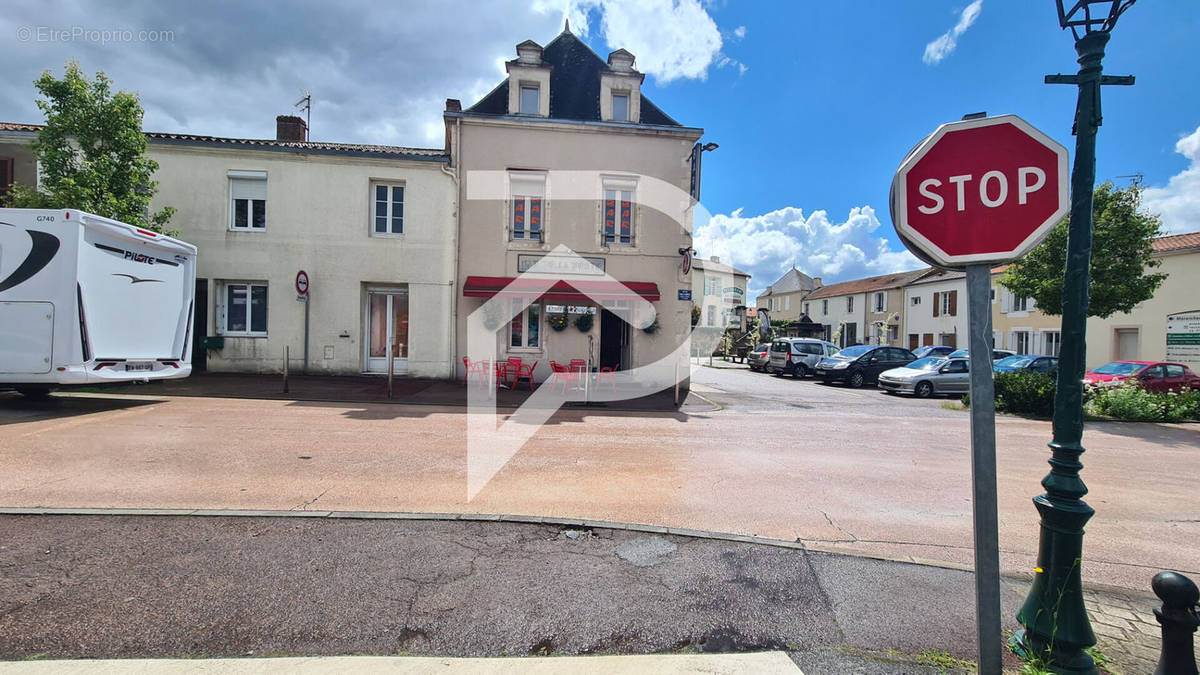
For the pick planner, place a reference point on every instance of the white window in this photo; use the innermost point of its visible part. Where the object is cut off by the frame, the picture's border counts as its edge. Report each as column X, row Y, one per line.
column 618, row 211
column 880, row 302
column 947, row 298
column 916, row 299
column 387, row 209
column 787, row 303
column 242, row 308
column 1051, row 343
column 824, row 307
column 1020, row 305
column 1021, row 341
column 712, row 315
column 620, row 106
column 526, row 218
column 248, row 200
column 529, row 99
column 850, row 304
column 525, row 329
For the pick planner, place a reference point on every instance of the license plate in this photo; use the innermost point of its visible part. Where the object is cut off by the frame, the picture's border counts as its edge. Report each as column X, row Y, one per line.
column 820, row 372
column 139, row 367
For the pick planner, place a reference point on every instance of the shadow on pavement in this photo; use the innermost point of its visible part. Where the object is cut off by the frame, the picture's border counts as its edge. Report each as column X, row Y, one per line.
column 15, row 408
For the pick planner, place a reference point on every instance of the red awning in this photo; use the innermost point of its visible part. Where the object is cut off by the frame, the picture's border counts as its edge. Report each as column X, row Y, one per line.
column 574, row 290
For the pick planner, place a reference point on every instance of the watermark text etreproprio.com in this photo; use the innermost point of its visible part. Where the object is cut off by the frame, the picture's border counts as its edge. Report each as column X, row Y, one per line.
column 96, row 35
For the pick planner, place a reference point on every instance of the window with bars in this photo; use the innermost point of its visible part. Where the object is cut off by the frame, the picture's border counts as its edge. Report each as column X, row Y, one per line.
column 387, row 209
column 618, row 212
column 527, row 214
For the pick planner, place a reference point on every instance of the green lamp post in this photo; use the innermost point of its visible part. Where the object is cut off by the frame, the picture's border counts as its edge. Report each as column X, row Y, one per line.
column 1055, row 622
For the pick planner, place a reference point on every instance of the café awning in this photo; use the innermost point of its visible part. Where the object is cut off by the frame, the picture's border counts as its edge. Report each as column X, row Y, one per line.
column 563, row 290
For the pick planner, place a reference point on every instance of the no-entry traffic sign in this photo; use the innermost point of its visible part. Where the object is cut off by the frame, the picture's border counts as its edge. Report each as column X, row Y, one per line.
column 302, row 283
column 980, row 191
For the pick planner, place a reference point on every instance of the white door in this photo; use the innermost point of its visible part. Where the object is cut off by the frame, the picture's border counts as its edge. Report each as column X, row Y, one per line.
column 1127, row 344
column 387, row 323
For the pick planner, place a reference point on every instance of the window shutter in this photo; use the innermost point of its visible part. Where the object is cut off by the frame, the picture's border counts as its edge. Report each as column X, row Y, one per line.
column 936, row 304
column 953, row 303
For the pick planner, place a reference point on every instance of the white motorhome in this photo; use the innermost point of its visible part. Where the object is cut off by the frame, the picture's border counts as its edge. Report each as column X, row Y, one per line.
column 85, row 299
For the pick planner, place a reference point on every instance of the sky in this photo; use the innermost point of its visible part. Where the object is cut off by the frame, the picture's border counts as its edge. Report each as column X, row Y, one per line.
column 813, row 104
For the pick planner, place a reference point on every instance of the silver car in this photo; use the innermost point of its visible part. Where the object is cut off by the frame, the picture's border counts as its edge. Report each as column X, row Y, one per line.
column 928, row 376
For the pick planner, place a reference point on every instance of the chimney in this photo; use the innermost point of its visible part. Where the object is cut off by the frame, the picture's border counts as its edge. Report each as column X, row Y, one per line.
column 715, row 258
column 290, row 128
column 453, row 105
column 816, row 282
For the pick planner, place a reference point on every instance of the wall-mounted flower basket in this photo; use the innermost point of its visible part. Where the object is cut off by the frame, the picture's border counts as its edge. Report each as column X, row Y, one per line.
column 558, row 321
column 584, row 322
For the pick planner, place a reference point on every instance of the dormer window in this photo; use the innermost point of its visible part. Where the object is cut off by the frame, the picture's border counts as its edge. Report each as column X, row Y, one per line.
column 529, row 99
column 620, row 106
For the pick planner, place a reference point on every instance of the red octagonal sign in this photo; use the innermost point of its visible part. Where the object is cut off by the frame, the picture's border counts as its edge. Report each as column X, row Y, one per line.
column 980, row 191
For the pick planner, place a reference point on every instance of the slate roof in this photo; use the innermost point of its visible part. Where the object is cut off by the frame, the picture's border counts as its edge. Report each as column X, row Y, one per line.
column 574, row 86
column 356, row 149
column 702, row 264
column 793, row 280
column 869, row 284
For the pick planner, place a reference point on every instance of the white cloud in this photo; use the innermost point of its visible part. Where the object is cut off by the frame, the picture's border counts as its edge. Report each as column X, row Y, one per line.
column 739, row 32
column 672, row 39
column 1179, row 202
column 942, row 47
column 768, row 245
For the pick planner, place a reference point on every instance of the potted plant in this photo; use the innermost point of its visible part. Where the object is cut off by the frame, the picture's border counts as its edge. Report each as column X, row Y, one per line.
column 558, row 321
column 584, row 323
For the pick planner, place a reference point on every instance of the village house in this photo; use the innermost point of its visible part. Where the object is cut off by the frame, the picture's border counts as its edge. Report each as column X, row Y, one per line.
column 567, row 154
column 935, row 310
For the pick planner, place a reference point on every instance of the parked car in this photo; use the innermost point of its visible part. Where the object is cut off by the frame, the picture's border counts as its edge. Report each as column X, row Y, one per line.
column 997, row 354
column 928, row 376
column 1151, row 375
column 1019, row 363
column 759, row 357
column 860, row 364
column 932, row 350
column 798, row 356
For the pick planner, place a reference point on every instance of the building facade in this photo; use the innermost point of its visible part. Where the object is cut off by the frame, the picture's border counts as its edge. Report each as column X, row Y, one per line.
column 372, row 227
column 935, row 310
column 567, row 159
column 784, row 299
column 862, row 311
column 724, row 286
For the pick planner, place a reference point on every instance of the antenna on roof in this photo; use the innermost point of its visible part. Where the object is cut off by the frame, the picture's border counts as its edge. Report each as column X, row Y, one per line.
column 1137, row 177
column 305, row 104
column 567, row 25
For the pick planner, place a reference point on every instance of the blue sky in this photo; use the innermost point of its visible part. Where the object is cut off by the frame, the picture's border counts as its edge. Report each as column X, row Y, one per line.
column 813, row 103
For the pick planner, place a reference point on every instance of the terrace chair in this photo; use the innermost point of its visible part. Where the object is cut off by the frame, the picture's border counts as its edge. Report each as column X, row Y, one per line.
column 477, row 368
column 607, row 373
column 562, row 376
column 524, row 371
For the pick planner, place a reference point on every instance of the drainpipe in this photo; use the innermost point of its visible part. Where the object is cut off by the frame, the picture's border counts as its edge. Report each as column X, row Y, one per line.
column 454, row 176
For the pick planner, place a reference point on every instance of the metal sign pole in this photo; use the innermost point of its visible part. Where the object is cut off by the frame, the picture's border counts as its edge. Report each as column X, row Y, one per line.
column 307, row 303
column 983, row 468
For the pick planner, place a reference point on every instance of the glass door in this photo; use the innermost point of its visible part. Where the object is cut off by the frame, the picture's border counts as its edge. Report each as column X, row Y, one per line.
column 387, row 323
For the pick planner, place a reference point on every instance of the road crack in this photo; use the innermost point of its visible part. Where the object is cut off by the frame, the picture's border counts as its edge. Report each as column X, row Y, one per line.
column 303, row 506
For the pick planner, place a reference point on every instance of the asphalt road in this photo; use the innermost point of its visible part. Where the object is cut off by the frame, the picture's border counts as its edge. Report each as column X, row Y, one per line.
column 121, row 587
column 841, row 470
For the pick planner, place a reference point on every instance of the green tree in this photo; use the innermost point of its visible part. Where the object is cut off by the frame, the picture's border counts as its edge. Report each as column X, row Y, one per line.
column 1121, row 258
column 92, row 152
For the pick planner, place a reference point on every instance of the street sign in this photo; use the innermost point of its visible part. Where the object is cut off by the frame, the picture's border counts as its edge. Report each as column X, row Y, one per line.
column 1183, row 337
column 685, row 294
column 302, row 283
column 980, row 191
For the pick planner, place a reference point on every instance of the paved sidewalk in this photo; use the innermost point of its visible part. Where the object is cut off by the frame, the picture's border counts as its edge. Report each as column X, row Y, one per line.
column 767, row 663
column 373, row 389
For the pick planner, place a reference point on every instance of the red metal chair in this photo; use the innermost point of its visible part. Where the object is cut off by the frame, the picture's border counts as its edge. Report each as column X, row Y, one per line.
column 477, row 368
column 607, row 373
column 562, row 375
column 513, row 370
column 524, row 371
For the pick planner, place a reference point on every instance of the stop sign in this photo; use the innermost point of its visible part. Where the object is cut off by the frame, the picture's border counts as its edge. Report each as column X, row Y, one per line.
column 980, row 191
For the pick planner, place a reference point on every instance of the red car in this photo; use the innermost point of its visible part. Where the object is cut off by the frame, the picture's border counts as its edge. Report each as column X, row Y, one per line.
column 1151, row 375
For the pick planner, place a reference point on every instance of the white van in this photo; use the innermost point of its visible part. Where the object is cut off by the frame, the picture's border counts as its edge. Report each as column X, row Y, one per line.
column 85, row 299
column 798, row 356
